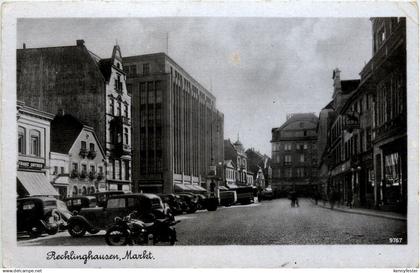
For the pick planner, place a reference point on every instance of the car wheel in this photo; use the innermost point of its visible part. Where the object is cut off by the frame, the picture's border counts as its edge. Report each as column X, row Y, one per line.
column 77, row 229
column 36, row 230
column 116, row 236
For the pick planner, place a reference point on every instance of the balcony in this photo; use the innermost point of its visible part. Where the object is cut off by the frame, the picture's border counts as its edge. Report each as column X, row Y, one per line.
column 91, row 154
column 119, row 120
column 121, row 149
column 83, row 152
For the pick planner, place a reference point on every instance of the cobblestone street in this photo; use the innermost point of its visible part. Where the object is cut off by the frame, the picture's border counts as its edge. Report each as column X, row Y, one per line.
column 268, row 222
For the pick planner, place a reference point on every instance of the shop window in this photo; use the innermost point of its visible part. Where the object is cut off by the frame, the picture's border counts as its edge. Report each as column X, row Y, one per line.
column 35, row 143
column 21, row 140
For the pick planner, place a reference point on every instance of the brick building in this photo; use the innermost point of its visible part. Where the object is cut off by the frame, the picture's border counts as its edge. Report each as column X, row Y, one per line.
column 294, row 154
column 179, row 131
column 75, row 80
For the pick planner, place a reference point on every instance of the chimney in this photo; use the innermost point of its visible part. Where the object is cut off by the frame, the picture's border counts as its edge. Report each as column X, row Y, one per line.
column 24, row 46
column 80, row 42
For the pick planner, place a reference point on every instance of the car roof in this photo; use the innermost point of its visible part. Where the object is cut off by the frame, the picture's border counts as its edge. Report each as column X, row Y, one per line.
column 43, row 198
column 80, row 196
column 147, row 195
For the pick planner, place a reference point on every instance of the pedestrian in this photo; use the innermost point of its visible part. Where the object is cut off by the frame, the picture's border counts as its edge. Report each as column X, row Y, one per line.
column 316, row 197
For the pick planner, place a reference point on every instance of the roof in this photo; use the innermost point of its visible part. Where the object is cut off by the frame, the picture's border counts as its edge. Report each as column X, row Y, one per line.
column 64, row 131
column 298, row 117
column 105, row 67
column 348, row 86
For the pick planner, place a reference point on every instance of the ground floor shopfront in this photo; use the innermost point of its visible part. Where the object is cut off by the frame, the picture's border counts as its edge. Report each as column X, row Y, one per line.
column 391, row 174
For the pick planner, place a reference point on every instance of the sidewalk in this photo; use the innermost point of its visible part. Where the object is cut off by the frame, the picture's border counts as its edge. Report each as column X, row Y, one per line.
column 370, row 212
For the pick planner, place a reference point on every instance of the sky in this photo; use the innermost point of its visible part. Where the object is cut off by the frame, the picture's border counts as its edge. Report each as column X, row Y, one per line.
column 259, row 69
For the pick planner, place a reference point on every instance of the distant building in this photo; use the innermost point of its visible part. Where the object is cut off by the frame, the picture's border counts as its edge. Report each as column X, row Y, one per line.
column 33, row 152
column 74, row 80
column 235, row 152
column 294, row 154
column 77, row 164
column 259, row 165
column 179, row 131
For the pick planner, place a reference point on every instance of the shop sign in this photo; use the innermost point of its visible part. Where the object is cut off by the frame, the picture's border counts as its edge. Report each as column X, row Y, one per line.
column 30, row 165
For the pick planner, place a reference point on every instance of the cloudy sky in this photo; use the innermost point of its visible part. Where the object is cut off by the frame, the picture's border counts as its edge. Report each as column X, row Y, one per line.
column 259, row 69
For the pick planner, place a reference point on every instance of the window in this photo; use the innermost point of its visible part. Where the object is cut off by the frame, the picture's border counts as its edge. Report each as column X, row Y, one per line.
column 146, row 69
column 126, row 136
column 126, row 110
column 158, row 92
column 288, row 147
column 117, row 169
column 84, row 167
column 116, row 203
column 83, row 145
column 21, row 140
column 133, row 69
column 143, row 94
column 111, row 106
column 55, row 170
column 288, row 172
column 305, row 146
column 62, row 170
column 300, row 172
column 92, row 146
column 287, row 160
column 101, row 169
column 302, row 158
column 92, row 169
column 119, row 108
column 75, row 166
column 35, row 143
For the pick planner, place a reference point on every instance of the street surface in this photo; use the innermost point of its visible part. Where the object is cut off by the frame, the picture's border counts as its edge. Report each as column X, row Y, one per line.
column 268, row 222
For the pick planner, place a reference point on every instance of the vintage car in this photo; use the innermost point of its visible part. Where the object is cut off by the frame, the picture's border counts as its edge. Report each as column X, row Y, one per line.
column 266, row 194
column 95, row 219
column 227, row 198
column 76, row 203
column 101, row 197
column 191, row 200
column 37, row 215
column 174, row 202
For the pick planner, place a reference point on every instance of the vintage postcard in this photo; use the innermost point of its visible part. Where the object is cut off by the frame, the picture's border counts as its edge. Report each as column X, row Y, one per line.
column 201, row 134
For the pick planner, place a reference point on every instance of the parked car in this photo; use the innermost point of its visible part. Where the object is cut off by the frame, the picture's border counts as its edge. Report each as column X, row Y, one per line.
column 76, row 203
column 245, row 194
column 64, row 213
column 191, row 201
column 173, row 202
column 227, row 198
column 102, row 197
column 266, row 194
column 37, row 215
column 95, row 219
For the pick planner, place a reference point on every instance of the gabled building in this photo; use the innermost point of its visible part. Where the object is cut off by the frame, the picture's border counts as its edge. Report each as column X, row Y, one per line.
column 77, row 160
column 235, row 152
column 294, row 154
column 74, row 80
column 259, row 165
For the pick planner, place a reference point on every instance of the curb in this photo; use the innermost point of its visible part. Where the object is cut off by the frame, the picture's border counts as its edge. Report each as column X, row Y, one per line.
column 393, row 217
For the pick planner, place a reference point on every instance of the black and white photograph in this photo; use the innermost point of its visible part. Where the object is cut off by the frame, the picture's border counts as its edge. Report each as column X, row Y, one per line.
column 137, row 137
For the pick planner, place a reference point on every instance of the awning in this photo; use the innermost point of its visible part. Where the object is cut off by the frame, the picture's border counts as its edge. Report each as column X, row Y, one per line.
column 199, row 188
column 36, row 183
column 223, row 188
column 181, row 187
column 61, row 181
column 232, row 186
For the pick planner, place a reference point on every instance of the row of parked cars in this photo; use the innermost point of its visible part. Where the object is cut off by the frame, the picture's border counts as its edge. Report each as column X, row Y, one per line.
column 81, row 214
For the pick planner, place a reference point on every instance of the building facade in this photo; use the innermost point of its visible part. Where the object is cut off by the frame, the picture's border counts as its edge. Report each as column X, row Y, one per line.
column 259, row 165
column 77, row 158
column 179, row 132
column 235, row 152
column 294, row 154
column 33, row 152
column 366, row 148
column 75, row 80
column 385, row 78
